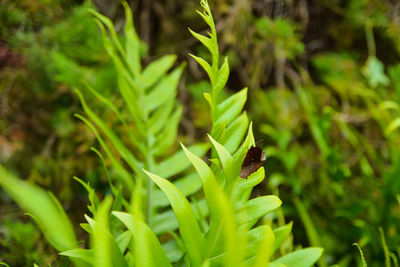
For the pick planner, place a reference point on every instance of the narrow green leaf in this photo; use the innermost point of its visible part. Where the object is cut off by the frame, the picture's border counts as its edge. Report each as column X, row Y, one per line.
column 123, row 174
column 204, row 64
column 111, row 29
column 207, row 42
column 120, row 147
column 188, row 226
column 132, row 45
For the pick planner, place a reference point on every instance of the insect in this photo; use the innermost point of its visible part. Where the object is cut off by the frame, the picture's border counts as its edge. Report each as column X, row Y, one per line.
column 254, row 159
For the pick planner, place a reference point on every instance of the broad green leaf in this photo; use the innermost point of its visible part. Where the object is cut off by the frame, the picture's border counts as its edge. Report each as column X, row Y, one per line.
column 166, row 222
column 235, row 132
column 265, row 249
column 256, row 208
column 155, row 70
column 188, row 185
column 301, row 258
column 105, row 249
column 188, row 226
column 243, row 188
column 178, row 162
column 45, row 209
column 163, row 91
column 374, row 72
column 85, row 255
column 168, row 136
column 230, row 108
column 210, row 185
column 149, row 252
column 173, row 251
column 281, row 234
column 222, row 78
column 123, row 240
column 159, row 118
column 231, row 169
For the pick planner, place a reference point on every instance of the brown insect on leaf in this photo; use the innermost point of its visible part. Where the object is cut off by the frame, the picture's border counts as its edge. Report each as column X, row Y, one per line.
column 254, row 159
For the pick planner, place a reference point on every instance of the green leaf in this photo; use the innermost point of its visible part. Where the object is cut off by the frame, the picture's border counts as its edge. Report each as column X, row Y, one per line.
column 178, row 162
column 188, row 226
column 173, row 251
column 132, row 45
column 222, row 78
column 265, row 249
column 159, row 118
column 230, row 108
column 106, row 251
column 231, row 169
column 281, row 234
column 148, row 250
column 301, row 258
column 206, row 41
column 242, row 190
column 85, row 255
column 123, row 240
column 235, row 132
column 122, row 173
column 257, row 207
column 120, row 147
column 374, row 72
column 166, row 222
column 45, row 209
column 188, row 185
column 168, row 136
column 165, row 90
column 94, row 201
column 155, row 70
column 210, row 185
column 204, row 64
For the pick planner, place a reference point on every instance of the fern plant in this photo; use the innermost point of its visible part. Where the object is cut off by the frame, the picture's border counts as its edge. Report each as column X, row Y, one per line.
column 151, row 116
column 227, row 228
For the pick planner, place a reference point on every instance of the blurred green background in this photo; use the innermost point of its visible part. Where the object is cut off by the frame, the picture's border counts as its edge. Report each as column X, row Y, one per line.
column 324, row 96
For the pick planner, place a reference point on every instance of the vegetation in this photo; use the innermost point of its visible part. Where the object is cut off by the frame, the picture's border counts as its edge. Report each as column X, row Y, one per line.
column 83, row 96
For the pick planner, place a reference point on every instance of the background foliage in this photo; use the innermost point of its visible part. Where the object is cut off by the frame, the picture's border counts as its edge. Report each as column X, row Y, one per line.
column 324, row 92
